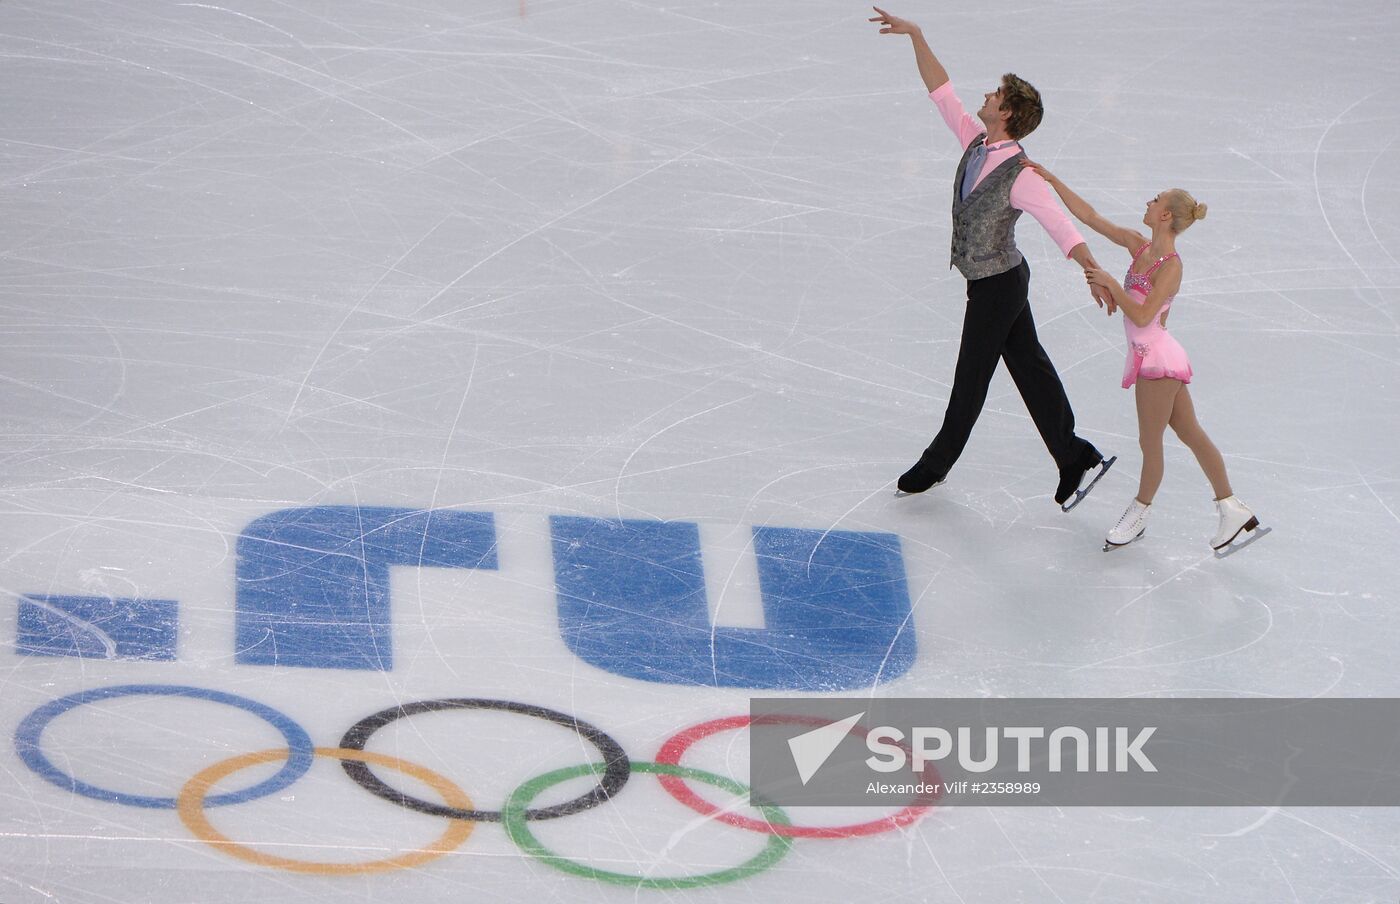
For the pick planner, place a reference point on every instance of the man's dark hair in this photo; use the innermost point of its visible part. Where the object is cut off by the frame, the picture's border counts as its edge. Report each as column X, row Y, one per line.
column 1023, row 102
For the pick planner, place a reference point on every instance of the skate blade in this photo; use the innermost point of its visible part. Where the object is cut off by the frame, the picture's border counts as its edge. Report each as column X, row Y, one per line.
column 1084, row 491
column 900, row 494
column 1110, row 547
column 1229, row 549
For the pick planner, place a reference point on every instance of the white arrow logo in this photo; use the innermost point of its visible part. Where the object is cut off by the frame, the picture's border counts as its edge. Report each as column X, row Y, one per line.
column 811, row 750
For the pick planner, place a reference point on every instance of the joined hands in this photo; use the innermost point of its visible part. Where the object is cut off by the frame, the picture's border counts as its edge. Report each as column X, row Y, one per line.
column 1101, row 286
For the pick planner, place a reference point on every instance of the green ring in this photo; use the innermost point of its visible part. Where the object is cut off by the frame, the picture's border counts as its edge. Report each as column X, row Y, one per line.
column 516, row 826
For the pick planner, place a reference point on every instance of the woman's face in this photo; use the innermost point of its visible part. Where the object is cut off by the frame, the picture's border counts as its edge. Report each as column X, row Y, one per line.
column 1156, row 210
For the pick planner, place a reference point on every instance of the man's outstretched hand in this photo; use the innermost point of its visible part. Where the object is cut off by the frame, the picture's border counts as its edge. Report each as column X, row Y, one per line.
column 893, row 24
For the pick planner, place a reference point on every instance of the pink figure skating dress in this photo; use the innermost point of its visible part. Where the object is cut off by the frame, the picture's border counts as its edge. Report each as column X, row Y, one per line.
column 1153, row 354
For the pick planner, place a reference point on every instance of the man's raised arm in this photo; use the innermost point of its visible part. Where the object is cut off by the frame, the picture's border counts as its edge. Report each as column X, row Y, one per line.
column 932, row 71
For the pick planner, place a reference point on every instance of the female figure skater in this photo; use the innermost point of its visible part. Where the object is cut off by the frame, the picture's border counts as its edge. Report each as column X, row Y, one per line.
column 1157, row 364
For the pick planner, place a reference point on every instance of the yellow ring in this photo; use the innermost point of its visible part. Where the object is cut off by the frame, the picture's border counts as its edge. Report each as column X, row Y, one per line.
column 190, row 806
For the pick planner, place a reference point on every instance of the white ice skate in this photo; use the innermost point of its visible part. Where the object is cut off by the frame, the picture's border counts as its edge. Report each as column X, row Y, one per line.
column 1130, row 527
column 1235, row 519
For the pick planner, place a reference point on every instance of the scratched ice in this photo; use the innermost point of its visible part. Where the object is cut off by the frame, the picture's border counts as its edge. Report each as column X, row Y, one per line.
column 517, row 318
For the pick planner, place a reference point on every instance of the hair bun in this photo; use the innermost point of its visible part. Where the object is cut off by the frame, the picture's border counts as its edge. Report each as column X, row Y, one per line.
column 1198, row 212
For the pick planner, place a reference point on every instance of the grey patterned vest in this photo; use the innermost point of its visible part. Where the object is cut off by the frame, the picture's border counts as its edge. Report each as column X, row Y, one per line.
column 984, row 223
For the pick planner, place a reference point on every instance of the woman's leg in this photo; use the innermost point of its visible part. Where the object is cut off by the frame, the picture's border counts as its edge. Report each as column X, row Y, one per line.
column 1188, row 429
column 1155, row 401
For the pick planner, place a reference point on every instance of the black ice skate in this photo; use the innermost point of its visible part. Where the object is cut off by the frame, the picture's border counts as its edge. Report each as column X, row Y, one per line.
column 921, row 477
column 1072, row 476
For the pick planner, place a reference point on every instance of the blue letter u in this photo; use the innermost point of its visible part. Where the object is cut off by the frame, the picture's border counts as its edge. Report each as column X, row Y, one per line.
column 632, row 602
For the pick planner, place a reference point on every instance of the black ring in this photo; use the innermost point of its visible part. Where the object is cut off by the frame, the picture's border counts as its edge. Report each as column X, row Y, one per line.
column 618, row 770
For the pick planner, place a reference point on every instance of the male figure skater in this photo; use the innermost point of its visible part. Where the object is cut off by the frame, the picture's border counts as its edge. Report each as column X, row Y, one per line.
column 990, row 191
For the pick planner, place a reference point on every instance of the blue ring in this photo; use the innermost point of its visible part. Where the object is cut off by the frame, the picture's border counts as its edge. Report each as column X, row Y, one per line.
column 29, row 737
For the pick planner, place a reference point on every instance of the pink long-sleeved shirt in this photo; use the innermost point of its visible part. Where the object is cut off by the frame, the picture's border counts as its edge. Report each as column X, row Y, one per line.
column 1029, row 193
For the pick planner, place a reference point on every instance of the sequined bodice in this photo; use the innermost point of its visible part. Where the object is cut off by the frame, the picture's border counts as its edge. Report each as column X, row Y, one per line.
column 1142, row 282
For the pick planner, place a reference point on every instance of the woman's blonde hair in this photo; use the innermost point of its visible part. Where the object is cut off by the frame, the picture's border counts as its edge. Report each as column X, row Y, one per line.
column 1185, row 209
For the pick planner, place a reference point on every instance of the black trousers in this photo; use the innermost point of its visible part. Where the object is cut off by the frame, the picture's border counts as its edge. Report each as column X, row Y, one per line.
column 998, row 326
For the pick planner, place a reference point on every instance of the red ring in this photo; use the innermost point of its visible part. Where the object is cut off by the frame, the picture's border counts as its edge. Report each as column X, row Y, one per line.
column 675, row 747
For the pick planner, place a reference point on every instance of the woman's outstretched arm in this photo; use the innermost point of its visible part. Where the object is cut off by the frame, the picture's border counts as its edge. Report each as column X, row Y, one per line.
column 1084, row 212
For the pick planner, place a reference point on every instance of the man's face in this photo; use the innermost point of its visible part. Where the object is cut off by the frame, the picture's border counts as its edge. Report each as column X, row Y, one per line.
column 991, row 111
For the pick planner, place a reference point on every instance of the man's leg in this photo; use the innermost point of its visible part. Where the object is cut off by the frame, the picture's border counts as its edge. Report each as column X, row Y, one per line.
column 992, row 306
column 1041, row 389
column 1049, row 407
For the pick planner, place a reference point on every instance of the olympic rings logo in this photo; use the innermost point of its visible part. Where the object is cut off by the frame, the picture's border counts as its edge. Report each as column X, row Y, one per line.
column 194, row 799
